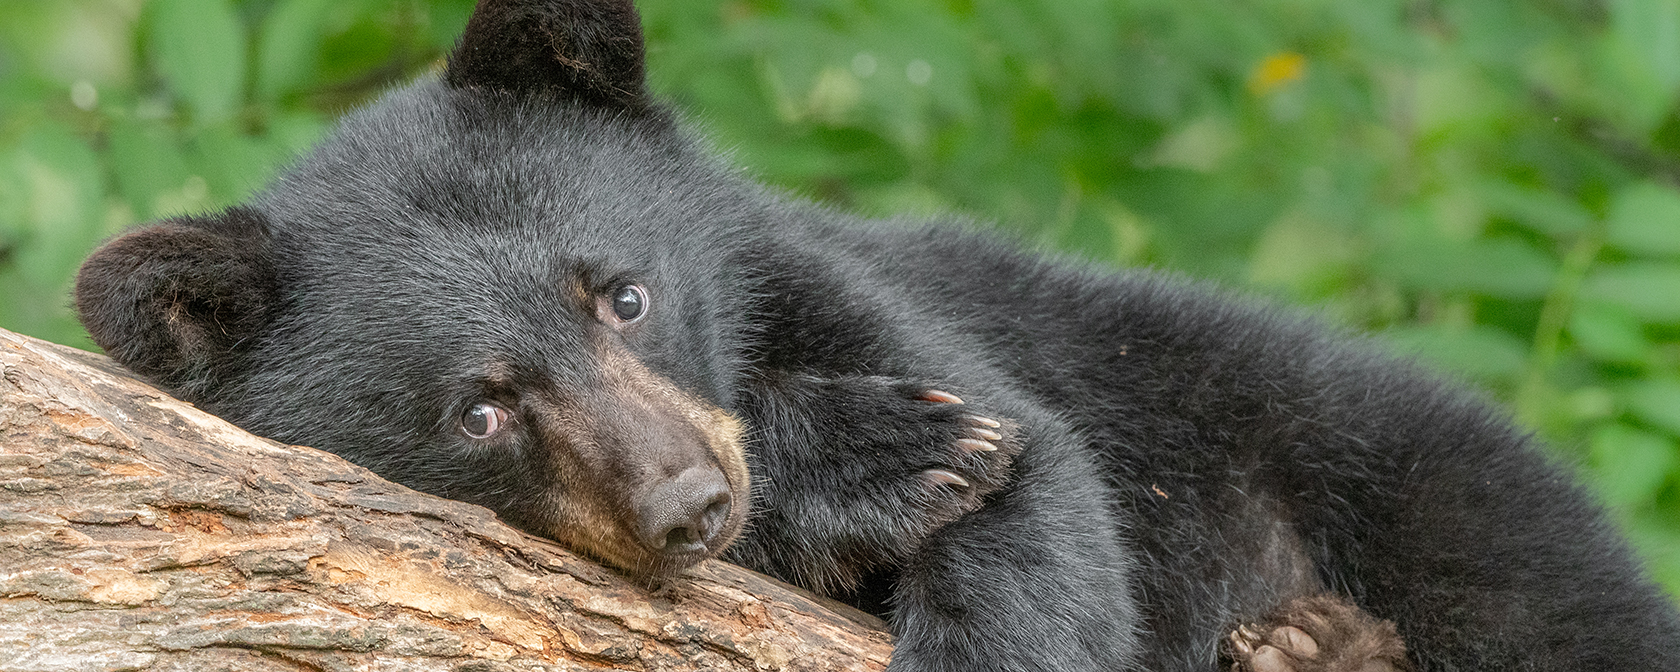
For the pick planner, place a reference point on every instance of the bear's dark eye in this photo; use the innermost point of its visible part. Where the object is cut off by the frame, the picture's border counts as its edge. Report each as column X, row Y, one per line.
column 630, row 303
column 484, row 419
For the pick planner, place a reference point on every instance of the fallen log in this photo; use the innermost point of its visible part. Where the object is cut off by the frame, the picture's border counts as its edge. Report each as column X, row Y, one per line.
column 139, row 533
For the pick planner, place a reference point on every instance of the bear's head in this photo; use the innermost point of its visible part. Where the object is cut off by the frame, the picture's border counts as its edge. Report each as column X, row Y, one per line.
column 509, row 284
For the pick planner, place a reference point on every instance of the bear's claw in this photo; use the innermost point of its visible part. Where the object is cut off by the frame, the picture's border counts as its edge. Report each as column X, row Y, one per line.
column 983, row 450
column 982, row 421
column 940, row 396
column 942, row 477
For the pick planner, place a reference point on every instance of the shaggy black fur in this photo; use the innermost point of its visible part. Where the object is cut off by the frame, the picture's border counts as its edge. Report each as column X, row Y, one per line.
column 1172, row 460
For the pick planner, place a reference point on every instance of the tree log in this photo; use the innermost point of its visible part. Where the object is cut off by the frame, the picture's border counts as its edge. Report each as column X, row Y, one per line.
column 140, row 533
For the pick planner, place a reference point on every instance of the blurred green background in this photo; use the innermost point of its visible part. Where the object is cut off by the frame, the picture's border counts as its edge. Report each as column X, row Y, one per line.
column 1489, row 184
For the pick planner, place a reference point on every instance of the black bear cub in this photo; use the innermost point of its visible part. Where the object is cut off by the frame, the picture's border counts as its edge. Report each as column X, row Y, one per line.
column 523, row 283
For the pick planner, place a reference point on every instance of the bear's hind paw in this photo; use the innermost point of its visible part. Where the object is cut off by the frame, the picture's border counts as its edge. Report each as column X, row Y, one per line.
column 1321, row 633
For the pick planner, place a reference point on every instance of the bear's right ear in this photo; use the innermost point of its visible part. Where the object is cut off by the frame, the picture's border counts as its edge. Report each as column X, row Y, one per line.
column 173, row 300
column 591, row 49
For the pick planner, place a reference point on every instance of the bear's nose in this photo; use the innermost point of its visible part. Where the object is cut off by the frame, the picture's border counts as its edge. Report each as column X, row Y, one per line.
column 684, row 514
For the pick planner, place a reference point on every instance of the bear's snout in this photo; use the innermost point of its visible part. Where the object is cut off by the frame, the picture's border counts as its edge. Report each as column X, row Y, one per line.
column 685, row 514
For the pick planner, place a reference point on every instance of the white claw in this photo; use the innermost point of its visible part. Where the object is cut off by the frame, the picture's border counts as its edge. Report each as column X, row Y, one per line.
column 941, row 396
column 942, row 477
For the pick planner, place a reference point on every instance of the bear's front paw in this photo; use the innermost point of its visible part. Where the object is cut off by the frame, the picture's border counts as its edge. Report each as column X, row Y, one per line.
column 855, row 472
column 1321, row 633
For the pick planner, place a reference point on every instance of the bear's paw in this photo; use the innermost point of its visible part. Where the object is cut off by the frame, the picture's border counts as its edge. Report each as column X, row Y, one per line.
column 1320, row 633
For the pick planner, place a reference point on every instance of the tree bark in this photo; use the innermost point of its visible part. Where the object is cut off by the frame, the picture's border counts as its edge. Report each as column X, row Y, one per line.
column 139, row 533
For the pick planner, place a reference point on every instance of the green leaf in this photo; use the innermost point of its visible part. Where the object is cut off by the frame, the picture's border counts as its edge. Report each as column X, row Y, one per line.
column 1651, row 30
column 14, row 200
column 1487, row 354
column 1655, row 531
column 1503, row 268
column 294, row 133
column 1631, row 465
column 1651, row 290
column 146, row 160
column 289, row 45
column 61, row 191
column 448, row 19
column 1656, row 402
column 1456, row 100
column 1300, row 252
column 200, row 49
column 1542, row 210
column 1609, row 333
column 232, row 164
column 1639, row 61
column 363, row 38
column 1645, row 219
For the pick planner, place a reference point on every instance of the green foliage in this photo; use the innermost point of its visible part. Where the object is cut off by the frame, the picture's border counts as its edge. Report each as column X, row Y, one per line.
column 1491, row 185
column 198, row 48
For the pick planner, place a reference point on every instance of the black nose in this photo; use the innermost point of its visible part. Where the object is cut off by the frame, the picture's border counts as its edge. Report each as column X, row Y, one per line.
column 684, row 514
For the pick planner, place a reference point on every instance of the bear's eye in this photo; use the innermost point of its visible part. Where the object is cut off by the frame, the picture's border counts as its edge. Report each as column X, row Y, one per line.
column 484, row 419
column 630, row 303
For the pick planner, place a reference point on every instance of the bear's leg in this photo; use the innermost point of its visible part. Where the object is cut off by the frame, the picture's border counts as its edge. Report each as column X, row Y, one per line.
column 1037, row 579
column 1018, row 567
column 1483, row 554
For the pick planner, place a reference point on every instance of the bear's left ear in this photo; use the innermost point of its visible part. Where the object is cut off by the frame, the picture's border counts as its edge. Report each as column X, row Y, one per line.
column 591, row 49
column 175, row 300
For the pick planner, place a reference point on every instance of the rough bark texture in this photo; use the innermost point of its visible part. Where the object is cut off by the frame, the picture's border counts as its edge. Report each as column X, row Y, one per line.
column 139, row 533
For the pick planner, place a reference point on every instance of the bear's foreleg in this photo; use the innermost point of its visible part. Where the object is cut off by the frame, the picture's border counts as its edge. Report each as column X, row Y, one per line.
column 1015, row 567
column 1037, row 579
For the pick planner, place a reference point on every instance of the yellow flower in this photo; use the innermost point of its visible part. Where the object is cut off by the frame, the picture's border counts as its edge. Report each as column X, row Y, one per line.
column 1275, row 71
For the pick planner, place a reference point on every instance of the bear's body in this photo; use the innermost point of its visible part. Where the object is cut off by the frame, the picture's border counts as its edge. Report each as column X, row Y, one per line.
column 1139, row 462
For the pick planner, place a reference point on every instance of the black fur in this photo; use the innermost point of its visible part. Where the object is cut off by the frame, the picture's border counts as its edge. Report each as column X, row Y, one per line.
column 183, row 295
column 590, row 49
column 1186, row 460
